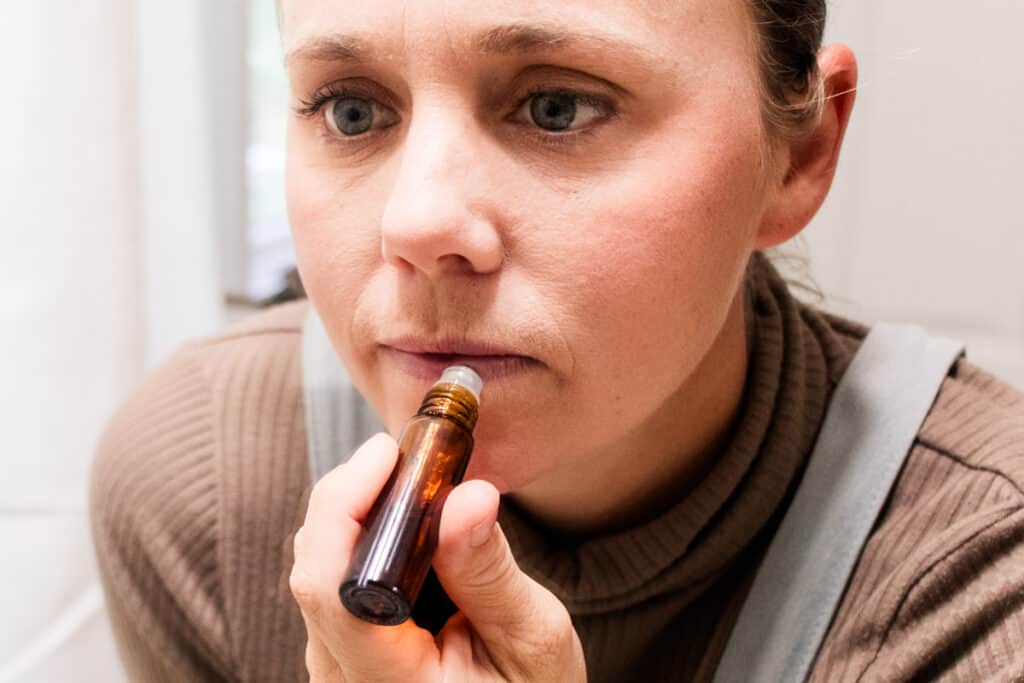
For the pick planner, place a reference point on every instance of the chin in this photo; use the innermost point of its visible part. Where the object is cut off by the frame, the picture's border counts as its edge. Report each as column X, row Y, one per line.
column 497, row 469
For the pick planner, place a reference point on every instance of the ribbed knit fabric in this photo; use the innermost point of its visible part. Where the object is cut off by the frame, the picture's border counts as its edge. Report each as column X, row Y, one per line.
column 201, row 481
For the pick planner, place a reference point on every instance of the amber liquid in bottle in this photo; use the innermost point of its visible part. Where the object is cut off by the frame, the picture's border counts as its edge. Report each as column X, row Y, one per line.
column 393, row 556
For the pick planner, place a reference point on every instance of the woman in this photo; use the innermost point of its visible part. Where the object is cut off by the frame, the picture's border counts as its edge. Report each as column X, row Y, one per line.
column 574, row 198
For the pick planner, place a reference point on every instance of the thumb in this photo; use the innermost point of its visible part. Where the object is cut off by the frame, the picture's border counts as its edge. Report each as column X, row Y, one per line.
column 520, row 622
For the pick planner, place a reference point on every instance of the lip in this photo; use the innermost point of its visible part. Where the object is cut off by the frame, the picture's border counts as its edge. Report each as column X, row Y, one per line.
column 429, row 366
column 455, row 347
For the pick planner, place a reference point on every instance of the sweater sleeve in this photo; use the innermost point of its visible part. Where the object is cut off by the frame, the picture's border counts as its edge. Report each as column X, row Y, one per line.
column 938, row 593
column 961, row 614
column 154, row 508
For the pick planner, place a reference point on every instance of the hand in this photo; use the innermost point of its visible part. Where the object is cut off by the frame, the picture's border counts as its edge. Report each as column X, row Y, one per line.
column 509, row 628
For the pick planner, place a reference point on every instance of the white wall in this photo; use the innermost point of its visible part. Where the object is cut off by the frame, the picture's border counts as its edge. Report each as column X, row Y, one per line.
column 108, row 249
column 71, row 344
column 924, row 222
column 191, row 104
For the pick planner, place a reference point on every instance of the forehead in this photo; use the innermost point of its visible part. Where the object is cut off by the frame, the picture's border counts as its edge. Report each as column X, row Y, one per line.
column 661, row 30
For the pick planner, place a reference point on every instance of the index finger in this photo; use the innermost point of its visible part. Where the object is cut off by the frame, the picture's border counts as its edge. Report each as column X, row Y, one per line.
column 337, row 509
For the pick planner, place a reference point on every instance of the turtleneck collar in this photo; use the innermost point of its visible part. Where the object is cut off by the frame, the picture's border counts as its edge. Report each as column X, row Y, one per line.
column 795, row 360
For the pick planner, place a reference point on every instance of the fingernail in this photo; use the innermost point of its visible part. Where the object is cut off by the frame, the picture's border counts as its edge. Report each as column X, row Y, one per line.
column 480, row 534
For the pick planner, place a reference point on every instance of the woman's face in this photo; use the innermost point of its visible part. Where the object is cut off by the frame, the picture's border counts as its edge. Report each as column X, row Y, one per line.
column 578, row 182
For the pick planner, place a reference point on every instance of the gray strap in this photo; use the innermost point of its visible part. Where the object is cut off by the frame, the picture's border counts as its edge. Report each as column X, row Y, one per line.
column 338, row 418
column 873, row 419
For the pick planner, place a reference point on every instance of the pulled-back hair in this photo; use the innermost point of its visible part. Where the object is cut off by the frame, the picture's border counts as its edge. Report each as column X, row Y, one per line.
column 790, row 34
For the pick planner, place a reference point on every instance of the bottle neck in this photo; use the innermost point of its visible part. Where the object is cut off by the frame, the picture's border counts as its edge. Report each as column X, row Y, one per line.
column 452, row 401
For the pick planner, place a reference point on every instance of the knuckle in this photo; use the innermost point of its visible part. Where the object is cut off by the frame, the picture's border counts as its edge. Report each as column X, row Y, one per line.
column 495, row 583
column 326, row 489
column 305, row 592
column 498, row 570
column 298, row 543
column 559, row 622
column 318, row 491
column 312, row 663
column 551, row 637
column 321, row 669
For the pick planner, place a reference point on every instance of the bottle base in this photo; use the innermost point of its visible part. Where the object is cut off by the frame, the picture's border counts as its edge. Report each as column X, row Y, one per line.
column 375, row 602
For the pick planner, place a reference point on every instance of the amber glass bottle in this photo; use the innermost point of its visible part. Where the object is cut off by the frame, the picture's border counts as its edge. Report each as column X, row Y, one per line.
column 393, row 556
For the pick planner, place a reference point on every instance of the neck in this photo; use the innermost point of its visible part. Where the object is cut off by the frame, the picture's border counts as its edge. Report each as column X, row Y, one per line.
column 671, row 455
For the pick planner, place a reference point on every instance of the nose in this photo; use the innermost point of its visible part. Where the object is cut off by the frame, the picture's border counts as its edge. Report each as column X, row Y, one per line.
column 437, row 218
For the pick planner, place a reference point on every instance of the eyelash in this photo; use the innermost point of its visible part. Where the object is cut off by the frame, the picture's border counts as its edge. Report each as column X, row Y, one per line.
column 310, row 108
column 568, row 137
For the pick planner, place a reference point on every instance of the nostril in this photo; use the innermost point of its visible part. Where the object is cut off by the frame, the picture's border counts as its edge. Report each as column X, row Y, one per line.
column 455, row 262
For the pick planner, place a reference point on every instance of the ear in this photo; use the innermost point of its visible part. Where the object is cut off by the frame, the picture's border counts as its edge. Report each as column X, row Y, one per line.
column 808, row 163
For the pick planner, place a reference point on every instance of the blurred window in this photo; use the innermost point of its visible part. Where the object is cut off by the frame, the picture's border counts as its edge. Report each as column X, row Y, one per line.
column 269, row 245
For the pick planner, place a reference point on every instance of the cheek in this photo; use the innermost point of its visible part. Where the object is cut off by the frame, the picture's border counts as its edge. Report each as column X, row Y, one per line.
column 334, row 219
column 641, row 280
column 663, row 246
column 335, row 241
column 645, row 282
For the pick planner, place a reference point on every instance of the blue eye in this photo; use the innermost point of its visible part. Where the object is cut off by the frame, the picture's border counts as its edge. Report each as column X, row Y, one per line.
column 562, row 110
column 553, row 111
column 351, row 115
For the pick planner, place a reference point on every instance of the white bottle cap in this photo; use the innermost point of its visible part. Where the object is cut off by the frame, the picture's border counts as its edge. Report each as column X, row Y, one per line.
column 464, row 376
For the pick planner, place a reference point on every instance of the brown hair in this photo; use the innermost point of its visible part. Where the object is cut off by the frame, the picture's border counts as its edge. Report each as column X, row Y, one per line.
column 790, row 34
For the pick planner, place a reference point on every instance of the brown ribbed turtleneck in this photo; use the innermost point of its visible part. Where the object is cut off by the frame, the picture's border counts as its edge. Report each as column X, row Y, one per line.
column 633, row 592
column 201, row 479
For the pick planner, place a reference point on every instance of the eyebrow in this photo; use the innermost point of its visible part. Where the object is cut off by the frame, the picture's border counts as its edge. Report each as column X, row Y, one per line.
column 526, row 38
column 507, row 39
column 331, row 48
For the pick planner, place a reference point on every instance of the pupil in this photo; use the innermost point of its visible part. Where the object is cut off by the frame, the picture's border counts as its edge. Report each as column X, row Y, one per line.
column 554, row 111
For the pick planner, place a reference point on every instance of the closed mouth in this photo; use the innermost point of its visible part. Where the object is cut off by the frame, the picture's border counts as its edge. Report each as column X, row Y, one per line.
column 431, row 365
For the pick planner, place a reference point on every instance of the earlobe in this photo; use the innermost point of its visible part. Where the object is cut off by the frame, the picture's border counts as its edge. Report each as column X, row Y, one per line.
column 811, row 157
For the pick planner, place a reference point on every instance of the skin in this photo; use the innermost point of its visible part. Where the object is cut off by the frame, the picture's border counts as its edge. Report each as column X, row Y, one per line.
column 612, row 255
